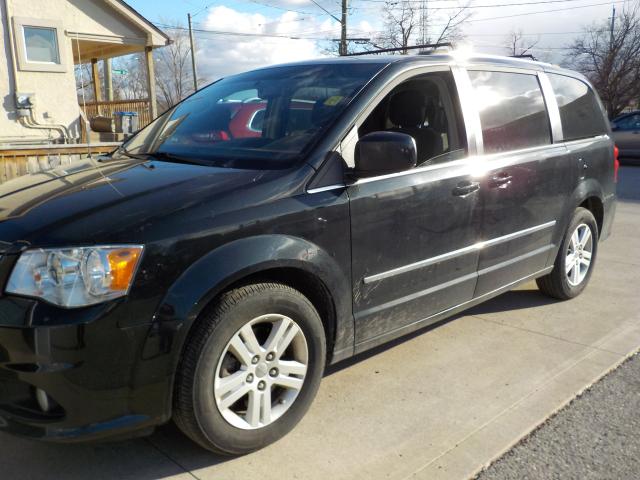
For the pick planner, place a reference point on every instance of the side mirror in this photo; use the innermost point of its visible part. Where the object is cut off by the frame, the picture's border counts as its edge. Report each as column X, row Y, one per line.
column 381, row 153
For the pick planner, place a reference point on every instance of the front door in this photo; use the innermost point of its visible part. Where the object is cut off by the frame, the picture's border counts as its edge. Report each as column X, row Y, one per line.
column 414, row 233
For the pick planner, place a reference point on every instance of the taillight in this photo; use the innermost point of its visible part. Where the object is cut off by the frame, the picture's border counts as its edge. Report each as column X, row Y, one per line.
column 616, row 163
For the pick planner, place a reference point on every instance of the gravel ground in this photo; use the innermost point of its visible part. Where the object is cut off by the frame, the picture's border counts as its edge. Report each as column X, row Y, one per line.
column 597, row 436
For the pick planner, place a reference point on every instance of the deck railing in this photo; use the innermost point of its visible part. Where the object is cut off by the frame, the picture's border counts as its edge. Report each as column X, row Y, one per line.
column 109, row 108
column 18, row 161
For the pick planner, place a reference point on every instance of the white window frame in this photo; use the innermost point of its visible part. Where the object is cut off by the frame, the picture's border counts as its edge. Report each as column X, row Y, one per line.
column 24, row 64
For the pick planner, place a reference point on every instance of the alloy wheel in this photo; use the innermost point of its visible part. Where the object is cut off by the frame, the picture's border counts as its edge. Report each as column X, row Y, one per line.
column 579, row 253
column 261, row 371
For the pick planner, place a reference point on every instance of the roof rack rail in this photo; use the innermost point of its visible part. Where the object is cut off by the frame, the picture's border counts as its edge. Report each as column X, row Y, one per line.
column 524, row 55
column 431, row 46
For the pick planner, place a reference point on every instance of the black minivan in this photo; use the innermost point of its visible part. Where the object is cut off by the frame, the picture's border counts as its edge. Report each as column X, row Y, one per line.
column 284, row 219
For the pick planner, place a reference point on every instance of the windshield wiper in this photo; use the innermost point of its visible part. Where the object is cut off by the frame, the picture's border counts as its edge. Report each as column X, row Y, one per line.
column 127, row 153
column 170, row 157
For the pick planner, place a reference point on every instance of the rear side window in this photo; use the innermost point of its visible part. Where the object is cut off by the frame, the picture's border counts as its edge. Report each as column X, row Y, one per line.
column 580, row 112
column 512, row 110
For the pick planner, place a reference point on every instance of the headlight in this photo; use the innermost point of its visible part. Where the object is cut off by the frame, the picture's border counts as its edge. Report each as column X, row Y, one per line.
column 75, row 277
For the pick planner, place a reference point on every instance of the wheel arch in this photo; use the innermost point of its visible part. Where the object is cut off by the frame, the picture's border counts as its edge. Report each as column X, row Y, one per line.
column 290, row 260
column 588, row 194
column 595, row 205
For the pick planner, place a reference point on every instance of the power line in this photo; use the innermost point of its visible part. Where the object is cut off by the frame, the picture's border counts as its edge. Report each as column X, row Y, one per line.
column 545, row 11
column 250, row 34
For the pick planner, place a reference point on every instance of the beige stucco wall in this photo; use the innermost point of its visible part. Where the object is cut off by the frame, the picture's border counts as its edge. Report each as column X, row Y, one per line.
column 55, row 92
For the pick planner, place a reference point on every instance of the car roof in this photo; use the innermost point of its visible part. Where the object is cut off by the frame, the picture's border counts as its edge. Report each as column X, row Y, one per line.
column 439, row 58
column 626, row 114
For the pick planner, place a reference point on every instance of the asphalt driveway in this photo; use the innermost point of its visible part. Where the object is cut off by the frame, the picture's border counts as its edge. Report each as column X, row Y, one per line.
column 440, row 404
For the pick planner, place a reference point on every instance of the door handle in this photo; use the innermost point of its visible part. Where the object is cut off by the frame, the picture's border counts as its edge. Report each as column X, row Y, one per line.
column 501, row 180
column 465, row 188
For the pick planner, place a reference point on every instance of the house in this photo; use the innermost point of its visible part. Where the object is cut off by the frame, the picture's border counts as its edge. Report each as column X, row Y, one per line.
column 44, row 40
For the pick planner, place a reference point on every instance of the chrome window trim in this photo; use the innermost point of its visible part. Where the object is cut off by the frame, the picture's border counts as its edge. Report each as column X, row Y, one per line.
column 553, row 111
column 489, row 67
column 587, row 140
column 426, row 168
column 512, row 157
column 457, row 253
column 327, row 188
column 470, row 114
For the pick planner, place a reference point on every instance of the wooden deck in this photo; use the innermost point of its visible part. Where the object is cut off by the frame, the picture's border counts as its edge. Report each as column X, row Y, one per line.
column 18, row 161
column 109, row 108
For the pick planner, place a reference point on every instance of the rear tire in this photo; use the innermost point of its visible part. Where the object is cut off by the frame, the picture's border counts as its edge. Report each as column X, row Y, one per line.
column 575, row 260
column 275, row 379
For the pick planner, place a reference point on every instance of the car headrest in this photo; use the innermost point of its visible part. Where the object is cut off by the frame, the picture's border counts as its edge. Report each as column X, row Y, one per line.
column 220, row 117
column 407, row 109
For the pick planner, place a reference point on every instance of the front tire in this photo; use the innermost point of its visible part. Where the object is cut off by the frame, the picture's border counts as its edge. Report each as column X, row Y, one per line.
column 250, row 369
column 575, row 260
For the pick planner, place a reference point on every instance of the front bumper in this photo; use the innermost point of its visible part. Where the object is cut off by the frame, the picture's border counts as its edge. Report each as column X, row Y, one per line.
column 88, row 366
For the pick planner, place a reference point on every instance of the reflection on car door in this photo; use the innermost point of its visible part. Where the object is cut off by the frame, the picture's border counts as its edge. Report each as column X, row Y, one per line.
column 526, row 178
column 414, row 233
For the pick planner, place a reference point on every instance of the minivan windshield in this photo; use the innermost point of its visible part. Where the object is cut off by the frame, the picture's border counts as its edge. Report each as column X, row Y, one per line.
column 264, row 119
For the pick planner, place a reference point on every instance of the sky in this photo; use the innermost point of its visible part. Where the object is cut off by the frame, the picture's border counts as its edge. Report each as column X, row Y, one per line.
column 236, row 36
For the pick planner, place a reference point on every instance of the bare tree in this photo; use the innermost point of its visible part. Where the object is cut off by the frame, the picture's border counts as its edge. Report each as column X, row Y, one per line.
column 84, row 82
column 516, row 45
column 133, row 84
column 408, row 22
column 401, row 21
column 611, row 60
column 174, row 75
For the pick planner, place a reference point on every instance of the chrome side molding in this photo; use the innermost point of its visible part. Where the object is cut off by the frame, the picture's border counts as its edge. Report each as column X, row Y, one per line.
column 457, row 253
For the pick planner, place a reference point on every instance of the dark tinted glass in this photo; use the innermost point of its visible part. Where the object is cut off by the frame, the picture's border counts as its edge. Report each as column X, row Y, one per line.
column 512, row 110
column 263, row 119
column 427, row 108
column 580, row 112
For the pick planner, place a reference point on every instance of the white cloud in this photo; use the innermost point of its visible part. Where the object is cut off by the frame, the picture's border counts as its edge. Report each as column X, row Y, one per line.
column 222, row 55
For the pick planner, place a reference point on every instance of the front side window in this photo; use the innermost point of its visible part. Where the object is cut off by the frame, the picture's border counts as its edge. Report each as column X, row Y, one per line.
column 41, row 44
column 427, row 108
column 580, row 113
column 512, row 111
column 267, row 118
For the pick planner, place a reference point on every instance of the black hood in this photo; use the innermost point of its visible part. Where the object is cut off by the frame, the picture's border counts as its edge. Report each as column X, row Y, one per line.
column 121, row 201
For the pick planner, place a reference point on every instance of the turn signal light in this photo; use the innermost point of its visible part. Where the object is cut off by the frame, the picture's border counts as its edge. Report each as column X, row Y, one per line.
column 122, row 263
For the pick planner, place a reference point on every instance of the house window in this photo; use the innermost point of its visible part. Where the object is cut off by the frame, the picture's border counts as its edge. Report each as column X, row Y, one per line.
column 39, row 45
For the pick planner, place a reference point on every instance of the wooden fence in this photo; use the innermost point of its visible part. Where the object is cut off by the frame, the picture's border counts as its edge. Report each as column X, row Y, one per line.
column 109, row 108
column 18, row 161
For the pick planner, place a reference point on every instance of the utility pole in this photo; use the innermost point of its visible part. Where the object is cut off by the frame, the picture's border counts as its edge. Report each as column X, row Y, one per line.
column 613, row 23
column 342, row 49
column 424, row 20
column 343, row 32
column 193, row 55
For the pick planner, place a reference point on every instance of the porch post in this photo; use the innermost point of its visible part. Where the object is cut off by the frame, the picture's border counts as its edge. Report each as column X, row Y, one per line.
column 151, row 81
column 95, row 74
column 108, row 79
